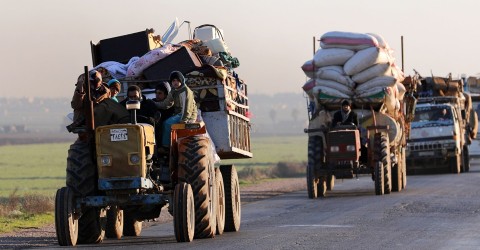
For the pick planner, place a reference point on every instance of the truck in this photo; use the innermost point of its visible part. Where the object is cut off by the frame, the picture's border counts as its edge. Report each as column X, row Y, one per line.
column 442, row 128
column 377, row 145
column 116, row 178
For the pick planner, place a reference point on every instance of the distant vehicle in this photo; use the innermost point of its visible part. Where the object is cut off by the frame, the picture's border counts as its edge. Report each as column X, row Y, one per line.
column 474, row 148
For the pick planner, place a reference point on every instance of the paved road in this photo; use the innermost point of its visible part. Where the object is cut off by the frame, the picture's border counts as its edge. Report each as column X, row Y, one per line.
column 434, row 212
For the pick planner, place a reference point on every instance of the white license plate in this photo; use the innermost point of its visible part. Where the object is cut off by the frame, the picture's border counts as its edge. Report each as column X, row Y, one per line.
column 428, row 153
column 118, row 134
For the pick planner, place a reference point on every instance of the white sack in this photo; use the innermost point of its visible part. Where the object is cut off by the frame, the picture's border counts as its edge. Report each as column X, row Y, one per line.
column 308, row 68
column 334, row 73
column 328, row 57
column 347, row 40
column 401, row 90
column 364, row 59
column 334, row 85
column 379, row 81
column 371, row 72
column 329, row 91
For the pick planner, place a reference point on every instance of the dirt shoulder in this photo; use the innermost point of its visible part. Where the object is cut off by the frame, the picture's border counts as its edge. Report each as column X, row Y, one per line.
column 45, row 236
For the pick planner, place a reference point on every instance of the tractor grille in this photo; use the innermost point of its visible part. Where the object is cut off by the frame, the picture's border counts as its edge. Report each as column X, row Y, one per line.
column 342, row 138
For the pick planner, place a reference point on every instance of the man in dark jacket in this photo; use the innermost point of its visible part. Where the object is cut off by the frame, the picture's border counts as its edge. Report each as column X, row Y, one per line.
column 146, row 113
column 345, row 116
column 182, row 99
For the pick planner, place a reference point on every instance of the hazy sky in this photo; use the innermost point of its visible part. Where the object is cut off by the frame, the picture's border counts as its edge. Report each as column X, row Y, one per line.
column 45, row 44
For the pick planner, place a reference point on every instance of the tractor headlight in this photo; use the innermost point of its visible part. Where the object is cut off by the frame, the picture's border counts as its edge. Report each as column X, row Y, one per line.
column 105, row 160
column 334, row 149
column 134, row 159
column 351, row 148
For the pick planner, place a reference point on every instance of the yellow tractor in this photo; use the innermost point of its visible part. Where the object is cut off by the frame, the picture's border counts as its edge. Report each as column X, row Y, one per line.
column 115, row 182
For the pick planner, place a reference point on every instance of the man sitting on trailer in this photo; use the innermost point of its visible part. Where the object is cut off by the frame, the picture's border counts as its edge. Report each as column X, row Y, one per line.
column 345, row 116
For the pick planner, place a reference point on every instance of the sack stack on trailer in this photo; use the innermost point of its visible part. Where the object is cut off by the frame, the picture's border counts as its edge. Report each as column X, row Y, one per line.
column 360, row 68
column 208, row 65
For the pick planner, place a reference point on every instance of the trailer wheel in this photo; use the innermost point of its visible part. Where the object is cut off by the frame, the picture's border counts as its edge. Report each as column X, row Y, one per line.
column 183, row 212
column 131, row 226
column 195, row 166
column 114, row 227
column 233, row 204
column 330, row 182
column 221, row 201
column 315, row 160
column 379, row 187
column 397, row 177
column 66, row 221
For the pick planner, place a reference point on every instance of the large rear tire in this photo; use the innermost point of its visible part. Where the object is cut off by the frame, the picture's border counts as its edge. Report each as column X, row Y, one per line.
column 82, row 180
column 114, row 227
column 233, row 205
column 183, row 213
column 131, row 226
column 195, row 166
column 385, row 158
column 379, row 187
column 66, row 223
column 315, row 161
column 221, row 201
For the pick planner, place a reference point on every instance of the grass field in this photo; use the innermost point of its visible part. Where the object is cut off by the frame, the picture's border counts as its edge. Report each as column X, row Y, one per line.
column 40, row 168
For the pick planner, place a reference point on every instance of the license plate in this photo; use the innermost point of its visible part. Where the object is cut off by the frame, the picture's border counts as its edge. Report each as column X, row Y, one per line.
column 428, row 153
column 118, row 134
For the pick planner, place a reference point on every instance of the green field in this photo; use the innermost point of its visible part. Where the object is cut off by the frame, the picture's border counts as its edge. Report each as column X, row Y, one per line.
column 40, row 168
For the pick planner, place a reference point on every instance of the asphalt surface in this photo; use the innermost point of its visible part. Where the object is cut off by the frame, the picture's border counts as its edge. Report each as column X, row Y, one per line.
column 434, row 212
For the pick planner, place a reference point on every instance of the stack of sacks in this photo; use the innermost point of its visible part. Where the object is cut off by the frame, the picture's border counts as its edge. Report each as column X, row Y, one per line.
column 352, row 65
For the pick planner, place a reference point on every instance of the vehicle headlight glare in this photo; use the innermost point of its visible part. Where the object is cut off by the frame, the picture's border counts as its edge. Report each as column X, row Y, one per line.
column 334, row 149
column 351, row 148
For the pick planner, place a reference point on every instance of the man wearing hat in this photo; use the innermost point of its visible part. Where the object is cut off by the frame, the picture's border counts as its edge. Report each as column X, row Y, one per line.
column 98, row 91
column 345, row 116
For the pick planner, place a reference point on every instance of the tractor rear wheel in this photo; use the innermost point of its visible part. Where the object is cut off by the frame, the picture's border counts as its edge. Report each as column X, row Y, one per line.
column 114, row 227
column 383, row 152
column 233, row 205
column 66, row 223
column 183, row 212
column 379, row 187
column 221, row 201
column 82, row 180
column 131, row 226
column 195, row 166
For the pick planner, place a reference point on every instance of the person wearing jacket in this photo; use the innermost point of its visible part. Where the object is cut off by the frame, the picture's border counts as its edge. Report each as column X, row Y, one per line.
column 182, row 99
column 345, row 116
